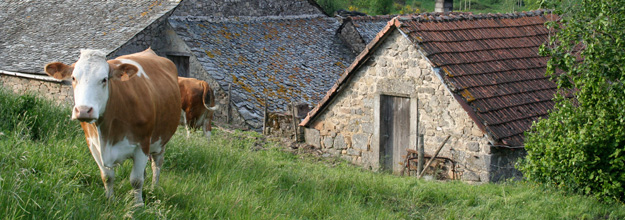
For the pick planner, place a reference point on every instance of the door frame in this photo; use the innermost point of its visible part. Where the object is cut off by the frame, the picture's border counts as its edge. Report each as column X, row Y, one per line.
column 376, row 140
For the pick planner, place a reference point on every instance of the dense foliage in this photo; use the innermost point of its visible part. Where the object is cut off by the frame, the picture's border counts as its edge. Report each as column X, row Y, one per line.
column 377, row 7
column 581, row 146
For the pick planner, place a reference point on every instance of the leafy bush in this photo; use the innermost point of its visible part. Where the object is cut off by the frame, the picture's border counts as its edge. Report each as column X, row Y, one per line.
column 581, row 146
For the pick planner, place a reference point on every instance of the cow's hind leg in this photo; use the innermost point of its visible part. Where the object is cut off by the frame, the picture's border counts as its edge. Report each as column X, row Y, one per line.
column 137, row 175
column 207, row 130
column 157, row 163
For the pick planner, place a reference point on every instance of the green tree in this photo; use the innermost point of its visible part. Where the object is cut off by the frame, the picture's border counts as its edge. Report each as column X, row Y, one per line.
column 381, row 7
column 329, row 6
column 581, row 146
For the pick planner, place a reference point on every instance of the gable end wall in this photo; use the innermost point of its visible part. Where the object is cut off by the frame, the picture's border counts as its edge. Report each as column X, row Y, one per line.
column 349, row 127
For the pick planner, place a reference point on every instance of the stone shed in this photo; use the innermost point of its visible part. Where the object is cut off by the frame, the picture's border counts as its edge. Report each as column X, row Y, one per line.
column 477, row 78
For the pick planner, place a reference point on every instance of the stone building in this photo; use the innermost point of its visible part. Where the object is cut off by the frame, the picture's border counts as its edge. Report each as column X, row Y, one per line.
column 282, row 59
column 285, row 50
column 32, row 35
column 477, row 78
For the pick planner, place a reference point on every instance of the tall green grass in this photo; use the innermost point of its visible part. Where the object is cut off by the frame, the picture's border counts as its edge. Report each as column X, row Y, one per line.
column 239, row 175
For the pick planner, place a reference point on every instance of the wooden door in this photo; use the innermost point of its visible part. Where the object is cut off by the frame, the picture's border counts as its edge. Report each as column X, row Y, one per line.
column 394, row 131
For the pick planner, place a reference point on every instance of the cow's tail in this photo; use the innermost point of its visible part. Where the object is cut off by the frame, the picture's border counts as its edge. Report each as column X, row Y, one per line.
column 209, row 97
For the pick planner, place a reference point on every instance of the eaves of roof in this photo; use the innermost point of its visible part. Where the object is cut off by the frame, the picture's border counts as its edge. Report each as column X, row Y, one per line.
column 362, row 58
column 489, row 63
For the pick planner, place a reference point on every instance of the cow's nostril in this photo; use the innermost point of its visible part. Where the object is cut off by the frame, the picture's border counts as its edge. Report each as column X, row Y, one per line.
column 90, row 110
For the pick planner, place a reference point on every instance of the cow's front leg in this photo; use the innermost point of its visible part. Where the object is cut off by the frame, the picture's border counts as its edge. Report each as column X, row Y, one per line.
column 137, row 175
column 183, row 121
column 108, row 178
column 106, row 173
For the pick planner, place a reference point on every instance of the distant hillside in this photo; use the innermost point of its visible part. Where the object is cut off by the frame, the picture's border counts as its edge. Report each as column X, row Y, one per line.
column 376, row 7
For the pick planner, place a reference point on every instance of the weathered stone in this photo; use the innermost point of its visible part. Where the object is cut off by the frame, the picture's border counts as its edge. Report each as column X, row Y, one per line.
column 425, row 90
column 312, row 137
column 367, row 128
column 477, row 132
column 360, row 141
column 353, row 152
column 346, row 157
column 470, row 176
column 339, row 142
column 475, row 162
column 473, row 146
column 328, row 142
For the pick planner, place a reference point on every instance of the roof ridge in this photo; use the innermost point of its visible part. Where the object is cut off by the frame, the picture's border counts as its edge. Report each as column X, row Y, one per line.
column 457, row 16
column 372, row 17
column 247, row 18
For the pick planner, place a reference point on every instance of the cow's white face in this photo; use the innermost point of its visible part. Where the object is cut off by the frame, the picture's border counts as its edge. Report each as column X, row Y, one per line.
column 90, row 80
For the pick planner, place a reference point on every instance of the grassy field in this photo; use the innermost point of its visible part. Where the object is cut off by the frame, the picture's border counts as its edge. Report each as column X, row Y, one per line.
column 47, row 172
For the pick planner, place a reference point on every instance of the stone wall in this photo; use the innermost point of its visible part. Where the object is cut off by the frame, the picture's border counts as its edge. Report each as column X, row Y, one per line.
column 60, row 93
column 350, row 36
column 349, row 127
column 226, row 8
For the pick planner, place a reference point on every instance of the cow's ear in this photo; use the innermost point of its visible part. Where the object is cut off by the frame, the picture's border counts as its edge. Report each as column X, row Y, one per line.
column 58, row 70
column 123, row 72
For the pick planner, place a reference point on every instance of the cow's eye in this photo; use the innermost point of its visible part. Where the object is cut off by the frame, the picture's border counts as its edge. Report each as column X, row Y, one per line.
column 73, row 78
column 104, row 81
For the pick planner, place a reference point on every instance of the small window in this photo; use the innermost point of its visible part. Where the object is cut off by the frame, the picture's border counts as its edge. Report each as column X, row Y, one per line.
column 182, row 64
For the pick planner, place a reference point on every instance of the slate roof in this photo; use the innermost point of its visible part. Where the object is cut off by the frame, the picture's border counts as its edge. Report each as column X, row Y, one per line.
column 289, row 59
column 228, row 8
column 369, row 26
column 489, row 62
column 34, row 33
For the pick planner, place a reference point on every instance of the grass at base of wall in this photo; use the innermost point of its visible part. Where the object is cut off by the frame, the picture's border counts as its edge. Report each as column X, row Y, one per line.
column 242, row 175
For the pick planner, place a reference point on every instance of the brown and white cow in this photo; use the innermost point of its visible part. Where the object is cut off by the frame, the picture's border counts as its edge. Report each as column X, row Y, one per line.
column 128, row 108
column 198, row 105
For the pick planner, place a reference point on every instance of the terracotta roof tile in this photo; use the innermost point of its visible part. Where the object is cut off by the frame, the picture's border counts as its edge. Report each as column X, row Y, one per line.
column 489, row 61
column 492, row 62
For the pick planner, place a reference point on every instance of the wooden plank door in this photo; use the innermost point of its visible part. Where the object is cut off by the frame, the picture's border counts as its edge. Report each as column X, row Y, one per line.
column 394, row 131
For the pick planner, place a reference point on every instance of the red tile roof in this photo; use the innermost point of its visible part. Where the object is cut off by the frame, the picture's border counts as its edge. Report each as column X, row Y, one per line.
column 489, row 62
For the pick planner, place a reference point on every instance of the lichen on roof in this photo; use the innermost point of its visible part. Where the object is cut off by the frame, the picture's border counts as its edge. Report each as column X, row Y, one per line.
column 288, row 59
column 33, row 35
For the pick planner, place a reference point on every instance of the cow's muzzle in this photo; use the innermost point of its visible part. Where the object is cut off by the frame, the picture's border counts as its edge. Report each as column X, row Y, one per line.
column 83, row 113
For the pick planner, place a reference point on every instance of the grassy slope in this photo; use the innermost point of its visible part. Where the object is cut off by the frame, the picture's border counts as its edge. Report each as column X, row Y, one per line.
column 239, row 175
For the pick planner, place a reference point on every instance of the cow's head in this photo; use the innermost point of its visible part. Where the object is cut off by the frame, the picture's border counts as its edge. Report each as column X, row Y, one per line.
column 90, row 79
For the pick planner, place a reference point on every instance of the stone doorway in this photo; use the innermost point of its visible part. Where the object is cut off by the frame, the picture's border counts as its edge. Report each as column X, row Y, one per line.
column 394, row 131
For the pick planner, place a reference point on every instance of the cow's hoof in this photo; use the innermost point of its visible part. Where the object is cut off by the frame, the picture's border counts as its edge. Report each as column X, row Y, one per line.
column 138, row 205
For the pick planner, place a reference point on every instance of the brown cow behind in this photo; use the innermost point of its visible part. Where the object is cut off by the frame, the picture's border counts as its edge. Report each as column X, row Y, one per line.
column 198, row 105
